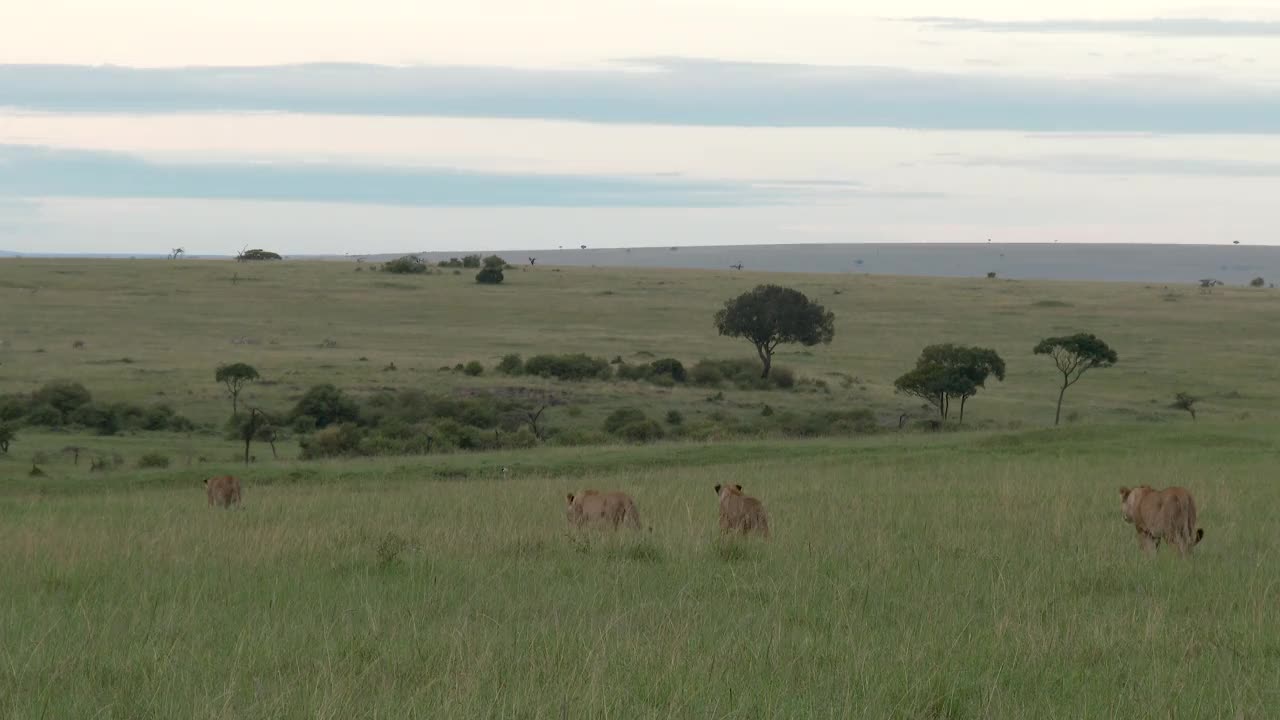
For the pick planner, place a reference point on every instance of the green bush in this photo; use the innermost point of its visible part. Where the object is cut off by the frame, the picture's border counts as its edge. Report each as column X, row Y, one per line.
column 63, row 395
column 742, row 373
column 474, row 368
column 407, row 265
column 674, row 417
column 13, row 407
column 827, row 423
column 511, row 364
column 641, row 432
column 97, row 417
column 327, row 405
column 44, row 415
column 670, row 367
column 471, row 261
column 622, row 417
column 490, row 275
column 634, row 372
column 569, row 367
column 338, row 440
column 153, row 461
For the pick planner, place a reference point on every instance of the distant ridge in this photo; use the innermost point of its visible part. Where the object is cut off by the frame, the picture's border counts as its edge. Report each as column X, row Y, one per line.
column 1232, row 264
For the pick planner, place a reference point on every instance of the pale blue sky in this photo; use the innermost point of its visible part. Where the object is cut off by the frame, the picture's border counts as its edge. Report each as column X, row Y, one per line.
column 384, row 125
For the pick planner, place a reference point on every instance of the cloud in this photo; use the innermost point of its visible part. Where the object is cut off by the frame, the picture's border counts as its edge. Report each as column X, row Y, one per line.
column 666, row 91
column 1150, row 27
column 1124, row 165
column 34, row 171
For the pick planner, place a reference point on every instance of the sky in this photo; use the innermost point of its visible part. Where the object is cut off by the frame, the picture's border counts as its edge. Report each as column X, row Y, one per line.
column 343, row 127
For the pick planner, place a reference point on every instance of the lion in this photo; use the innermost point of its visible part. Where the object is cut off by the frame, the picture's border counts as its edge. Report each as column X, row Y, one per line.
column 740, row 512
column 223, row 491
column 611, row 509
column 1157, row 515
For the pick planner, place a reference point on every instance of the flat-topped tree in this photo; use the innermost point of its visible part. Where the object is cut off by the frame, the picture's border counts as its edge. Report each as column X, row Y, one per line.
column 235, row 376
column 945, row 372
column 1074, row 355
column 771, row 315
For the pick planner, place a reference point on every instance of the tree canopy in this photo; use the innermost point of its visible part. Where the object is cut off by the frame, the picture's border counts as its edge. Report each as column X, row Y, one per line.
column 946, row 372
column 1074, row 355
column 771, row 315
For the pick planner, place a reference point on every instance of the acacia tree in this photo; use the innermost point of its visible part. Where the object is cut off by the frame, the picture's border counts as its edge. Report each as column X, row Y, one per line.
column 945, row 372
column 1074, row 355
column 235, row 376
column 771, row 315
column 1183, row 401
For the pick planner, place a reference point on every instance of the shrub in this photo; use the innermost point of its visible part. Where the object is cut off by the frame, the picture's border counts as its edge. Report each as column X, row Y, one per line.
column 63, row 395
column 474, row 368
column 327, row 405
column 1257, row 282
column 490, row 276
column 303, row 424
column 257, row 254
column 493, row 261
column 622, row 417
column 7, row 434
column 45, row 415
column 634, row 372
column 94, row 416
column 511, row 364
column 830, row 422
column 339, row 440
column 153, row 461
column 568, row 367
column 13, row 407
column 450, row 263
column 407, row 265
column 674, row 417
column 783, row 377
column 163, row 417
column 471, row 261
column 641, row 432
column 743, row 373
column 670, row 367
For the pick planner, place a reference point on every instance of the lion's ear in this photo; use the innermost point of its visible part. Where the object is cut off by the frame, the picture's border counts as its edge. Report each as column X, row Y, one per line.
column 570, row 497
column 717, row 489
column 739, row 487
column 1124, row 492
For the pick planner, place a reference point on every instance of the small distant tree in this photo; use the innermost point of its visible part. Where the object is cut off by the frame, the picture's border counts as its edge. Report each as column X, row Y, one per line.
column 490, row 275
column 494, row 261
column 771, row 315
column 1257, row 282
column 235, row 376
column 177, row 254
column 1074, row 355
column 471, row 261
column 7, row 435
column 946, row 372
column 257, row 254
column 1183, row 401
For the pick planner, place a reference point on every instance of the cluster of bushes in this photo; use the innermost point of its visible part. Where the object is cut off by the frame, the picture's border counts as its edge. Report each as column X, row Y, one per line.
column 61, row 404
column 406, row 422
column 743, row 374
column 407, row 265
column 470, row 261
column 632, row 425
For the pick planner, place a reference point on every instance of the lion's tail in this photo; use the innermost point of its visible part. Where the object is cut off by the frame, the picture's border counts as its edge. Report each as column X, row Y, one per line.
column 1199, row 535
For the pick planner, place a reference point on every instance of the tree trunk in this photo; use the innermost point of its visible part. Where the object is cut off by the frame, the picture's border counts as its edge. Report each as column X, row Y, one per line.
column 962, row 399
column 235, row 397
column 247, row 440
column 766, row 359
column 1058, row 415
column 1193, row 414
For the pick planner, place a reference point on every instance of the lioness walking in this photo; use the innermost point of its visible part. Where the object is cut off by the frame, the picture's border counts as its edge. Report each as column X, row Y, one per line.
column 609, row 509
column 740, row 512
column 223, row 491
column 1168, row 514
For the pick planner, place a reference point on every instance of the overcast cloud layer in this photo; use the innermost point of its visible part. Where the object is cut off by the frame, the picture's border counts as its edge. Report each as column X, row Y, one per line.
column 675, row 91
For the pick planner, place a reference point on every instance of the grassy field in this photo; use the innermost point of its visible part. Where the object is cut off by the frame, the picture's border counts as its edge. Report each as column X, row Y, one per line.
column 984, row 574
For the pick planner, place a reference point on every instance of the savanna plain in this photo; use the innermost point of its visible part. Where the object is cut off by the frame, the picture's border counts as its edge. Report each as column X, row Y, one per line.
column 980, row 571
